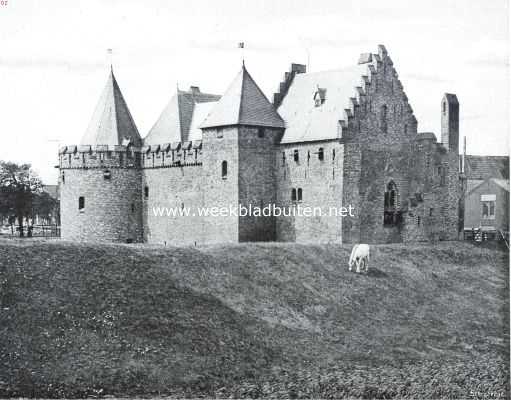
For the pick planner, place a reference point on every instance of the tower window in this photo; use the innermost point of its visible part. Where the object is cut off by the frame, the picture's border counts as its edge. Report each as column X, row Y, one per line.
column 406, row 129
column 299, row 194
column 132, row 207
column 444, row 108
column 63, row 177
column 383, row 119
column 293, row 194
column 146, row 192
column 391, row 215
column 321, row 154
column 296, row 156
column 224, row 169
column 260, row 132
column 81, row 203
column 418, row 220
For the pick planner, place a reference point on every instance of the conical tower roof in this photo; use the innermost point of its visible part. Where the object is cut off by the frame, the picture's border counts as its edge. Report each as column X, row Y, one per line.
column 111, row 123
column 243, row 103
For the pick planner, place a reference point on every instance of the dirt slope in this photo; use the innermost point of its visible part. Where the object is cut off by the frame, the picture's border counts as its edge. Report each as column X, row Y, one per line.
column 252, row 320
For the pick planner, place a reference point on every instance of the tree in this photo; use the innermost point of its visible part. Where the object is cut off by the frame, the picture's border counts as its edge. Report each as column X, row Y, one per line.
column 19, row 184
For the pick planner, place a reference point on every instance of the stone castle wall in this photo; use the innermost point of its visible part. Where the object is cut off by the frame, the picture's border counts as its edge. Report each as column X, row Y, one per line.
column 321, row 184
column 110, row 183
column 378, row 143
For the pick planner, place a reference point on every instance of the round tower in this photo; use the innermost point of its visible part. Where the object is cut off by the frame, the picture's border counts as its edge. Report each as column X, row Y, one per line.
column 101, row 179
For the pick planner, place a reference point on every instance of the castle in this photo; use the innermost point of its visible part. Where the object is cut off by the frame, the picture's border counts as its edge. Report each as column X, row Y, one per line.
column 328, row 139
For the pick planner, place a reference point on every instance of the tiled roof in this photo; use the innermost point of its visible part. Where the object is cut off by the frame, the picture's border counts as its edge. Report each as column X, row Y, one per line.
column 111, row 123
column 243, row 103
column 483, row 167
column 472, row 185
column 503, row 183
column 307, row 122
column 180, row 118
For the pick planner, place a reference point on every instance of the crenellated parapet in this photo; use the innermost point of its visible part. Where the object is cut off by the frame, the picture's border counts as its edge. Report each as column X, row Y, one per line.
column 167, row 155
column 172, row 155
column 99, row 156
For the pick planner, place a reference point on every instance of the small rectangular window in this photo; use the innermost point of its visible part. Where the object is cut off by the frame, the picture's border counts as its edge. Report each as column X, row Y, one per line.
column 260, row 132
column 321, row 154
column 283, row 158
column 293, row 194
column 296, row 155
column 81, row 203
column 488, row 209
column 299, row 194
column 146, row 192
column 219, row 133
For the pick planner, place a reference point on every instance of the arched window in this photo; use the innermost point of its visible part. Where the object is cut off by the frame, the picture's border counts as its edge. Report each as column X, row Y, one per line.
column 299, row 194
column 391, row 213
column 293, row 194
column 224, row 169
column 383, row 118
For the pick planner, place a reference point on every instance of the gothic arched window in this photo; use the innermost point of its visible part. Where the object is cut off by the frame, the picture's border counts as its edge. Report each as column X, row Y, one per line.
column 391, row 213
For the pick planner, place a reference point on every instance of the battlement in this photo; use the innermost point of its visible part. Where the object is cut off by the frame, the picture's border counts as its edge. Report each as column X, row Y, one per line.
column 166, row 155
column 99, row 156
column 172, row 155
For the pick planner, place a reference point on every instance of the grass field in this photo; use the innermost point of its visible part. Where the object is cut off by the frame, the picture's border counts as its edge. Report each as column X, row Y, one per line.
column 253, row 320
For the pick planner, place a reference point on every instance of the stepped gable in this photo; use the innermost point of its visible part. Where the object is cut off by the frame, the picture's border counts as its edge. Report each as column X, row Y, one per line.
column 180, row 119
column 243, row 103
column 111, row 123
column 484, row 167
column 340, row 92
column 305, row 121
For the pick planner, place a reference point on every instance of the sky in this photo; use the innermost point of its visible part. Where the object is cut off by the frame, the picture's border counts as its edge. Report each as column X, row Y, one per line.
column 54, row 62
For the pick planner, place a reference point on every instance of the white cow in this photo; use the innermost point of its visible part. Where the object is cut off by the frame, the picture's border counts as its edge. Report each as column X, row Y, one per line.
column 360, row 254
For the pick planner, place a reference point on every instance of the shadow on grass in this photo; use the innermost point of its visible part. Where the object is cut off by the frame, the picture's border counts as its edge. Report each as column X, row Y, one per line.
column 376, row 273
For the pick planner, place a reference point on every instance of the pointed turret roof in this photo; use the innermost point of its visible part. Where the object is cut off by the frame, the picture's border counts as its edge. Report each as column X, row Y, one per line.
column 111, row 123
column 243, row 103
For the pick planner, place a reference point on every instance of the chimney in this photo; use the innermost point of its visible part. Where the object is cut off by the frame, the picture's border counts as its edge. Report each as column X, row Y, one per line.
column 450, row 120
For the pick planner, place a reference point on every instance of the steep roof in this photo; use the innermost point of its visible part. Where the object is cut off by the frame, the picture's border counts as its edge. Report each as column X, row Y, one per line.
column 243, row 103
column 181, row 117
column 307, row 122
column 111, row 123
column 483, row 167
column 502, row 183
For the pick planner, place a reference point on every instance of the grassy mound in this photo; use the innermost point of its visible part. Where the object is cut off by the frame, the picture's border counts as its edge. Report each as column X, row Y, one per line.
column 252, row 320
